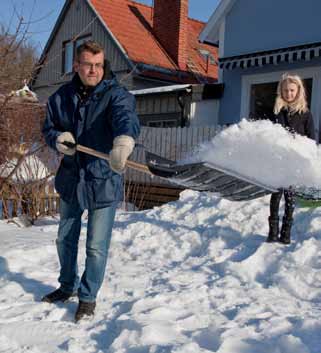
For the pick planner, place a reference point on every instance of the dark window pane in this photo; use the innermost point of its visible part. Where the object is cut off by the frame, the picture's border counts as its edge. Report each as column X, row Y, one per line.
column 263, row 97
column 68, row 55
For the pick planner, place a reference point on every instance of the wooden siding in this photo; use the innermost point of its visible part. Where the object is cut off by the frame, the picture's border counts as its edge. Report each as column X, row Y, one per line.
column 145, row 196
column 157, row 104
column 157, row 108
column 79, row 20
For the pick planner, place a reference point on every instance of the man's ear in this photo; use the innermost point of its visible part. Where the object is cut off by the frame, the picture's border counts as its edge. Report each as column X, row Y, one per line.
column 75, row 66
column 107, row 70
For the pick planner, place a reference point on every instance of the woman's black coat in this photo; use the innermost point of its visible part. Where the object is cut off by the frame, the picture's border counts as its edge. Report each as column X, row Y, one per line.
column 300, row 123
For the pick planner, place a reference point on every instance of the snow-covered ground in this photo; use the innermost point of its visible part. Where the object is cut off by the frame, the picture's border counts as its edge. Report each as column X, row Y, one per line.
column 192, row 276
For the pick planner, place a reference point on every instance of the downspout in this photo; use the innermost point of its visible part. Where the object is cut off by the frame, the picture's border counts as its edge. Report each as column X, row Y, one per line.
column 184, row 101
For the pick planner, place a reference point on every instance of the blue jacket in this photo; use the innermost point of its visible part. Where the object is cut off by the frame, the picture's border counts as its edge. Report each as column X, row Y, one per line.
column 108, row 112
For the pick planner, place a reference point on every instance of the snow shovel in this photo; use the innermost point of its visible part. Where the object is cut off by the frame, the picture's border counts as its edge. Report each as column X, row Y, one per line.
column 203, row 176
column 229, row 184
column 130, row 164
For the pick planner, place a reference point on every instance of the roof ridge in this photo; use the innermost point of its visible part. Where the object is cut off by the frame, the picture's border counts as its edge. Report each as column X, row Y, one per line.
column 151, row 7
column 196, row 20
column 140, row 4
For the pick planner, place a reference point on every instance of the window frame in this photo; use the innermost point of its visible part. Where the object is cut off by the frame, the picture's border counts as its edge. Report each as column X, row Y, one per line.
column 313, row 73
column 75, row 43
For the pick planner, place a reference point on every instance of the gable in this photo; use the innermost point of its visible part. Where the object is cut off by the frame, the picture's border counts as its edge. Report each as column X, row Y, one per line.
column 76, row 20
column 211, row 32
column 254, row 26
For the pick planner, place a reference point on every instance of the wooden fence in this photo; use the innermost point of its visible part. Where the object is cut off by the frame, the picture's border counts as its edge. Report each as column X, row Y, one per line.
column 46, row 205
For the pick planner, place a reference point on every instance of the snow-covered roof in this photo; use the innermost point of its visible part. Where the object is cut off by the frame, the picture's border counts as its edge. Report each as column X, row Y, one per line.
column 161, row 89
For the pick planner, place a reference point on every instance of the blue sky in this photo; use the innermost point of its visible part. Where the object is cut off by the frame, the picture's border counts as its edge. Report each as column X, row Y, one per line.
column 44, row 14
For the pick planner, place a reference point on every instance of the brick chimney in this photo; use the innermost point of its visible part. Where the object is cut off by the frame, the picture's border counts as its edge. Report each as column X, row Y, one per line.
column 170, row 25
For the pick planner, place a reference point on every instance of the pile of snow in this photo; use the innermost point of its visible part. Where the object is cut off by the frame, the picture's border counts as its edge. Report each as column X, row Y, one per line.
column 265, row 152
column 24, row 95
column 31, row 169
column 192, row 276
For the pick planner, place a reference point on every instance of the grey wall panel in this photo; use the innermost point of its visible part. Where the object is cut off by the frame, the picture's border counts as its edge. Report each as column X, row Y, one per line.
column 157, row 104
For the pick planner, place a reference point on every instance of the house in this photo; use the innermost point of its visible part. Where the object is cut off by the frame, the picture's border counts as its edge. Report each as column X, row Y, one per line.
column 184, row 105
column 259, row 41
column 146, row 46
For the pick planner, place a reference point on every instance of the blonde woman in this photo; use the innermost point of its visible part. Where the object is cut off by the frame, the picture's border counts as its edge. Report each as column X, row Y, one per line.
column 291, row 111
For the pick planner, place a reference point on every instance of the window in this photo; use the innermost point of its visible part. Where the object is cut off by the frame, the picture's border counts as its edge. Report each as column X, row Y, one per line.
column 207, row 56
column 263, row 97
column 162, row 123
column 69, row 49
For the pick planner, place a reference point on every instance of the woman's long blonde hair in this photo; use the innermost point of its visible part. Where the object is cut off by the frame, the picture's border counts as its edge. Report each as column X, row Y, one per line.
column 299, row 105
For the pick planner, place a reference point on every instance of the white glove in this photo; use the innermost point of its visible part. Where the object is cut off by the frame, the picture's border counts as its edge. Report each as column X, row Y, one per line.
column 66, row 137
column 122, row 147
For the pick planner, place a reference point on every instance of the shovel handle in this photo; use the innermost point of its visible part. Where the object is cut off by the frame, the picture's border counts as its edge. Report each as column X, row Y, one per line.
column 130, row 164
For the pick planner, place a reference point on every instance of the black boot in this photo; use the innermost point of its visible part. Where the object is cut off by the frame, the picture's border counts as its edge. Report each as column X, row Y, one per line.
column 285, row 237
column 57, row 296
column 273, row 230
column 85, row 310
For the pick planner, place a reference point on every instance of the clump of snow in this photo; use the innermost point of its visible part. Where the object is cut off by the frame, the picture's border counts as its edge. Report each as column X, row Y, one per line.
column 31, row 169
column 265, row 152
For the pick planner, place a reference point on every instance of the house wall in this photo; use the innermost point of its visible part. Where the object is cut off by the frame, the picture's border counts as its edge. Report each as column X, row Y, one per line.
column 257, row 25
column 162, row 109
column 204, row 113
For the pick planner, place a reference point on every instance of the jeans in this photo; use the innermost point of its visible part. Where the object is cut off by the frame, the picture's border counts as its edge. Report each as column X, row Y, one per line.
column 99, row 229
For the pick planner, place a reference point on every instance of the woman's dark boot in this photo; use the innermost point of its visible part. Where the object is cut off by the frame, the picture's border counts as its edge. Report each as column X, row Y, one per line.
column 285, row 237
column 273, row 230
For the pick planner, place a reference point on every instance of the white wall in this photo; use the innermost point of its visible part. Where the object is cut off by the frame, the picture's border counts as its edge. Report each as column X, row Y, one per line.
column 204, row 113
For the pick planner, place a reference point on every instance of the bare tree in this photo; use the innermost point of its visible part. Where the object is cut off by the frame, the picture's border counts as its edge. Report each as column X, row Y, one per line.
column 17, row 60
column 22, row 149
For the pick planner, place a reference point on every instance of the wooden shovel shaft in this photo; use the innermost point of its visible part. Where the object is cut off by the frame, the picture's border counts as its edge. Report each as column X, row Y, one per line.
column 130, row 164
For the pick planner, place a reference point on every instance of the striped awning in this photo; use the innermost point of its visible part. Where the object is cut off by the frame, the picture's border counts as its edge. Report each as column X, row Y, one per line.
column 291, row 54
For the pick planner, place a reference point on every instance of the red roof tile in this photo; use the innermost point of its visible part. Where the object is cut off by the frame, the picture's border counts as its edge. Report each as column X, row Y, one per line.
column 131, row 23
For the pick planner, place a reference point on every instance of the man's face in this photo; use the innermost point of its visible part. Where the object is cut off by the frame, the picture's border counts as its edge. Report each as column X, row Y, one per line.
column 90, row 68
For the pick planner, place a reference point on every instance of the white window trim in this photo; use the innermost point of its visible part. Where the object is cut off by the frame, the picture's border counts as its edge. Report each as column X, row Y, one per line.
column 221, row 50
column 310, row 72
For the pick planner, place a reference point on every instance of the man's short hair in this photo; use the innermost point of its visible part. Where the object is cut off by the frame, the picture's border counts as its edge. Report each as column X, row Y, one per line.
column 91, row 46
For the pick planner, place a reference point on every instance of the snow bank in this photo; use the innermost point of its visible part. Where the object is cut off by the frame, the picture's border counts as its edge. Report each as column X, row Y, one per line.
column 192, row 276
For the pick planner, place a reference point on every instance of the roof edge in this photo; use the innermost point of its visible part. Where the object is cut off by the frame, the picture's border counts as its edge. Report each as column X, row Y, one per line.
column 131, row 64
column 213, row 24
column 55, row 28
